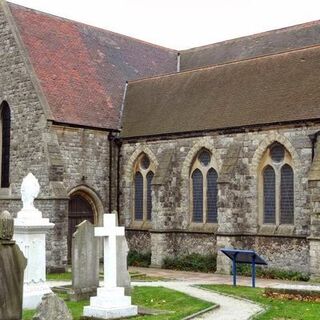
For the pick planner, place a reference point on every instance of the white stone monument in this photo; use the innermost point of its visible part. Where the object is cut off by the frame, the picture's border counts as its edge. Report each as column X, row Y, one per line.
column 111, row 301
column 30, row 234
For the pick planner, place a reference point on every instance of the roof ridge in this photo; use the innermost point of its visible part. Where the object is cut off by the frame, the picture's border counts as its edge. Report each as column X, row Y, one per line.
column 254, row 35
column 224, row 64
column 91, row 26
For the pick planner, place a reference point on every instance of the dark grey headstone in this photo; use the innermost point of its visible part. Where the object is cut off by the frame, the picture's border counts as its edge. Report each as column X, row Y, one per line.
column 12, row 265
column 85, row 262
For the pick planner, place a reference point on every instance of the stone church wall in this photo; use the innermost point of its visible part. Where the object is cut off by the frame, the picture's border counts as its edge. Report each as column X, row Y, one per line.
column 85, row 157
column 237, row 157
column 29, row 138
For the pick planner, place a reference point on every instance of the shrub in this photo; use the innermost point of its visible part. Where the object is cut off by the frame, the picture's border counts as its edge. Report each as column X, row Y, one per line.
column 139, row 259
column 272, row 273
column 191, row 262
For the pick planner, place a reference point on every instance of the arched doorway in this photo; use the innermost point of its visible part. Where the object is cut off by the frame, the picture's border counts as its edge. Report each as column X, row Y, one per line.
column 80, row 209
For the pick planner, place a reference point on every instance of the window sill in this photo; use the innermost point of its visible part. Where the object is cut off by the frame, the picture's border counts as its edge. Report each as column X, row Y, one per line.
column 272, row 229
column 207, row 227
column 5, row 193
column 143, row 224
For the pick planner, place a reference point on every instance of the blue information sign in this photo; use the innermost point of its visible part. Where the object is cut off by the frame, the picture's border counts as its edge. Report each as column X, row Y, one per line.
column 243, row 256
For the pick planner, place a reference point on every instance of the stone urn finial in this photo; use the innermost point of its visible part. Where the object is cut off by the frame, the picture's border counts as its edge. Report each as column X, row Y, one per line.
column 6, row 226
column 30, row 189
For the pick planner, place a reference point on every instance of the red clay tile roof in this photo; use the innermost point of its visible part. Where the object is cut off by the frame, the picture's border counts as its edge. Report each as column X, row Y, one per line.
column 82, row 69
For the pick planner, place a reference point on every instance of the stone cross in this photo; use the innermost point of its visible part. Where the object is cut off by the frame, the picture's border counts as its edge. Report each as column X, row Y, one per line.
column 110, row 231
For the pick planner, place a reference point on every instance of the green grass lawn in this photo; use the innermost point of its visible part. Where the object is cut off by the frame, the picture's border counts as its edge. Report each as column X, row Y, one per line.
column 66, row 276
column 277, row 309
column 181, row 305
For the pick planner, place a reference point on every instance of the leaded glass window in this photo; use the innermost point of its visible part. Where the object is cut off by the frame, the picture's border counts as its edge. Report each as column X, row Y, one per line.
column 197, row 183
column 138, row 199
column 204, row 189
column 286, row 198
column 269, row 195
column 149, row 199
column 144, row 172
column 212, row 196
column 5, row 144
column 277, row 185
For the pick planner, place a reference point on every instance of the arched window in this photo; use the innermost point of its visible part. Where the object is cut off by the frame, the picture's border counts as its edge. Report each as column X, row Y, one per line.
column 277, row 186
column 204, row 189
column 143, row 175
column 5, row 124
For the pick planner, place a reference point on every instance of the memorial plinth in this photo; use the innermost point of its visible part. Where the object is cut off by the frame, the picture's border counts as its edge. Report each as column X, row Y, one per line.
column 30, row 234
column 111, row 301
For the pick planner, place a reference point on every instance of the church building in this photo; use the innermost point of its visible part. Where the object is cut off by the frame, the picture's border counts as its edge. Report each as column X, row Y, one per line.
column 197, row 150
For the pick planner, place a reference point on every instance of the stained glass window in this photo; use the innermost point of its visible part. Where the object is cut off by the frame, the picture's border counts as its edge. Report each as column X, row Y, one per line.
column 212, row 195
column 286, row 195
column 5, row 152
column 145, row 162
column 269, row 195
column 205, row 157
column 197, row 185
column 149, row 198
column 277, row 152
column 138, row 197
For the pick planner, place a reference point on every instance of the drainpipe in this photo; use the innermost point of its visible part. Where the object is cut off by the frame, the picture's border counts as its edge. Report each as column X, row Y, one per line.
column 314, row 138
column 118, row 143
column 110, row 139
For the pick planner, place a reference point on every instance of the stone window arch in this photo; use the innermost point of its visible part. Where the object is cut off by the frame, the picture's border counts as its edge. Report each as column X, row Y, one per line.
column 204, row 188
column 5, row 127
column 143, row 173
column 276, row 186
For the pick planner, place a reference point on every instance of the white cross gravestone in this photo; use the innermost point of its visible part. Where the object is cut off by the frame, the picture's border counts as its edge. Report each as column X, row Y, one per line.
column 30, row 234
column 110, row 302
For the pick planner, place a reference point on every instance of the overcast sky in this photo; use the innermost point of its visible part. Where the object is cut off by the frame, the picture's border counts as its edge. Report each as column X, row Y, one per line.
column 182, row 24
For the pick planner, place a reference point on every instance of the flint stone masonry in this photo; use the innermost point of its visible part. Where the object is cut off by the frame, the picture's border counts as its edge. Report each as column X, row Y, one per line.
column 237, row 157
column 85, row 262
column 52, row 308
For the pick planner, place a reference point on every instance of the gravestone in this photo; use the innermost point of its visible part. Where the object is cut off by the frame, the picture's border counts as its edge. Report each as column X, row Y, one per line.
column 85, row 262
column 123, row 276
column 52, row 308
column 12, row 265
column 30, row 234
column 111, row 301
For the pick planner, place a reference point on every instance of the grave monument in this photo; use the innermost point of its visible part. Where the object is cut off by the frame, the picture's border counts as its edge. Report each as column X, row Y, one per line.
column 85, row 262
column 30, row 234
column 12, row 265
column 111, row 301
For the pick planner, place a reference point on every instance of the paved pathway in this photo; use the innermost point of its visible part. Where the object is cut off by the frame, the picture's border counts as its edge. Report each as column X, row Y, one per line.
column 229, row 308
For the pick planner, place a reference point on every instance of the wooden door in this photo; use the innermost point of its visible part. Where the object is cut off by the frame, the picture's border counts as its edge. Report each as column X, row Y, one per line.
column 79, row 210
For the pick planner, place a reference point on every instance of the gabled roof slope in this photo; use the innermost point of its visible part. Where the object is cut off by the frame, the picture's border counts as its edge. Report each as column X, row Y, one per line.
column 272, row 89
column 266, row 43
column 82, row 69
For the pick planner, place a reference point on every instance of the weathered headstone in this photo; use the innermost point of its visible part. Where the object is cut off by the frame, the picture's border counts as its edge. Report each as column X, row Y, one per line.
column 85, row 262
column 52, row 308
column 123, row 276
column 12, row 265
column 111, row 301
column 30, row 233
